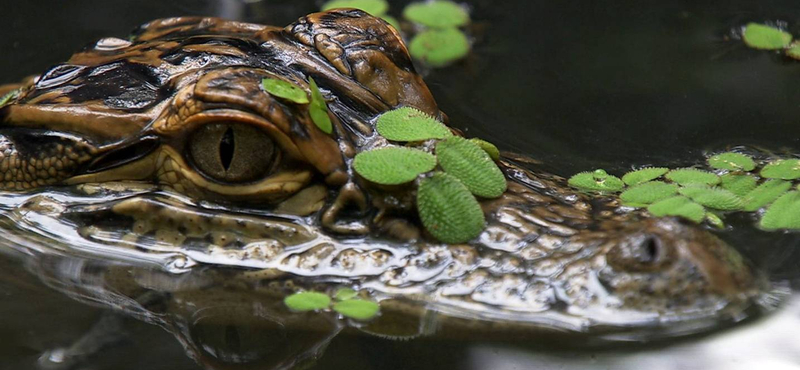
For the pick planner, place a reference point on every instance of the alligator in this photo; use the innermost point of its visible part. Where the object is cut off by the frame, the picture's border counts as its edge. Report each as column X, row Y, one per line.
column 155, row 175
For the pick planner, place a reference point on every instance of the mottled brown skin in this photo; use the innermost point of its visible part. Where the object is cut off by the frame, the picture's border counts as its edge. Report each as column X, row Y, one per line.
column 144, row 111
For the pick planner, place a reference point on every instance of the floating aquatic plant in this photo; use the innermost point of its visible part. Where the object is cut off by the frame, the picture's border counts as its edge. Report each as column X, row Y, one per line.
column 686, row 176
column 679, row 206
column 318, row 109
column 597, row 180
column 786, row 169
column 759, row 36
column 448, row 210
column 784, row 213
column 644, row 175
column 358, row 309
column 392, row 21
column 765, row 194
column 712, row 197
column 648, row 192
column 393, row 165
column 437, row 14
column 8, row 96
column 285, row 90
column 439, row 47
column 732, row 161
column 410, row 124
column 344, row 294
column 307, row 301
column 470, row 164
column 740, row 185
column 793, row 51
column 487, row 147
column 374, row 7
column 714, row 220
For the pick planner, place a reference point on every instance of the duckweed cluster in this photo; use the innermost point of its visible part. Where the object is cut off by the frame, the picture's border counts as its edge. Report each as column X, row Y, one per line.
column 734, row 184
column 438, row 39
column 346, row 302
column 446, row 200
column 317, row 107
column 764, row 37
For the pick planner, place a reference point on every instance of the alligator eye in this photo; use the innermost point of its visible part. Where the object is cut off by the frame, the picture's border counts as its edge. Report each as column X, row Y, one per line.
column 231, row 152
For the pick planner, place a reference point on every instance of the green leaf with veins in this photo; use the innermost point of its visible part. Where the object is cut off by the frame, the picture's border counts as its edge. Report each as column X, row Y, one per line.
column 466, row 161
column 765, row 193
column 410, row 124
column 285, row 90
column 597, row 180
column 318, row 109
column 759, row 36
column 732, row 161
column 393, row 165
column 307, row 301
column 679, row 206
column 448, row 210
column 784, row 213
column 785, row 169
column 644, row 175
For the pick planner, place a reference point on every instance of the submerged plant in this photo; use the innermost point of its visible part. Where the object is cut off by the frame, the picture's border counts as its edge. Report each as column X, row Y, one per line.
column 346, row 303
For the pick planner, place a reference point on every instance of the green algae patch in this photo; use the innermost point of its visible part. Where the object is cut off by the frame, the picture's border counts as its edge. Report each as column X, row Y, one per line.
column 597, row 180
column 685, row 176
column 644, row 175
column 487, row 147
column 393, row 165
column 343, row 294
column 784, row 213
column 410, row 124
column 648, row 192
column 786, row 169
column 678, row 206
column 285, row 90
column 448, row 210
column 732, row 161
column 439, row 47
column 740, row 185
column 470, row 164
column 713, row 197
column 358, row 309
column 307, row 301
column 765, row 194
column 318, row 109
column 374, row 7
column 759, row 36
column 437, row 14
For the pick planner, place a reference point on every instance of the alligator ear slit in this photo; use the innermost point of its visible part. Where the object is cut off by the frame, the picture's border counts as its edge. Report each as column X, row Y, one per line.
column 122, row 153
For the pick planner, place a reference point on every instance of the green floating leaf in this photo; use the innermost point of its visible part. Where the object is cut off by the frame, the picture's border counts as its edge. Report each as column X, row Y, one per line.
column 648, row 192
column 644, row 175
column 786, row 169
column 487, row 147
column 759, row 36
column 784, row 213
column 597, row 180
column 436, row 14
column 8, row 96
column 318, row 109
column 732, row 161
column 679, row 206
column 410, row 124
column 715, row 220
column 286, row 90
column 448, row 210
column 685, row 176
column 439, row 47
column 358, row 309
column 740, row 185
column 793, row 51
column 713, row 197
column 307, row 301
column 765, row 193
column 393, row 165
column 469, row 163
column 374, row 7
column 344, row 294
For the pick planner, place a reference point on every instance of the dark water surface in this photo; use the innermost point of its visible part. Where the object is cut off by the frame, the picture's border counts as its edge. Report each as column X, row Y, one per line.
column 578, row 85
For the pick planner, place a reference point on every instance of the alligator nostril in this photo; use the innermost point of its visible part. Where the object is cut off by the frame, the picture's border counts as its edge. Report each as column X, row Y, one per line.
column 651, row 250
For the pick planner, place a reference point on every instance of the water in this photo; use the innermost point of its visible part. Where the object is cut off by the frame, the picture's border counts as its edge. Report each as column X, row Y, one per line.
column 577, row 85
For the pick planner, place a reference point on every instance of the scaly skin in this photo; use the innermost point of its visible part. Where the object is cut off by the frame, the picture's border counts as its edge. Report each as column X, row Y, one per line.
column 139, row 132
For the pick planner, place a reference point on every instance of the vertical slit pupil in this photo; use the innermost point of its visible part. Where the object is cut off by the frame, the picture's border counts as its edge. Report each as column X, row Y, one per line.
column 226, row 148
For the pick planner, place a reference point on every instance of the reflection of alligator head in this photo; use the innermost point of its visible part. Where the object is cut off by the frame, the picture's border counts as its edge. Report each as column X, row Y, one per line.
column 166, row 149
